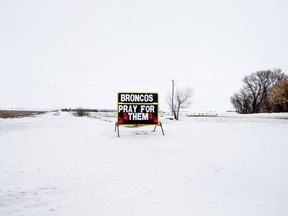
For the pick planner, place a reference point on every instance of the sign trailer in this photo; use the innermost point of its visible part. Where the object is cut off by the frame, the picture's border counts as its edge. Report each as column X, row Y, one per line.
column 137, row 109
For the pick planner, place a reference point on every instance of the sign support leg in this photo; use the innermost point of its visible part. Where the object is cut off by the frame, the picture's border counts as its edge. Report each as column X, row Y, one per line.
column 159, row 124
column 117, row 128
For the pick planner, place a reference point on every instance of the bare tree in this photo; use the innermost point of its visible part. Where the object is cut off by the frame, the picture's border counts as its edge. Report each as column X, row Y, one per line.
column 182, row 99
column 253, row 97
column 242, row 102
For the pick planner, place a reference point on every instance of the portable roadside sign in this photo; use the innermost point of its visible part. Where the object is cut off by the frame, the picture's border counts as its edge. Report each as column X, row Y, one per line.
column 137, row 108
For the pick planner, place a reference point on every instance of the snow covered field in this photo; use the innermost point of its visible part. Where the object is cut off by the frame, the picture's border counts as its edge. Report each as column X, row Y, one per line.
column 230, row 165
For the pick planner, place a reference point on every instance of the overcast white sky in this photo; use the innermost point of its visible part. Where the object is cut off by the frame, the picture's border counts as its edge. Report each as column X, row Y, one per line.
column 68, row 53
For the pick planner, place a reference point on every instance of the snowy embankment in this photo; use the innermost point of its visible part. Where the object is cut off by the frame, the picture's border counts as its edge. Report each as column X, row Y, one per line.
column 58, row 164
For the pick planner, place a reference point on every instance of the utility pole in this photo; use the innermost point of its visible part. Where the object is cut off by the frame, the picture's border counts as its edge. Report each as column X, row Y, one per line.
column 172, row 97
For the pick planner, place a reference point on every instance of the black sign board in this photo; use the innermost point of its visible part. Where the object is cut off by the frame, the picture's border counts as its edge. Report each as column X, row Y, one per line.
column 137, row 108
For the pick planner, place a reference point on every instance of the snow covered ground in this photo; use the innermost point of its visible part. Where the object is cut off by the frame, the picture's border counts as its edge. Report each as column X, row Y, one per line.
column 229, row 165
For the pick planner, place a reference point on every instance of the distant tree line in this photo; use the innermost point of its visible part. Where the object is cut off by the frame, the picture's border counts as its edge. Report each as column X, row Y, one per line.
column 87, row 110
column 262, row 92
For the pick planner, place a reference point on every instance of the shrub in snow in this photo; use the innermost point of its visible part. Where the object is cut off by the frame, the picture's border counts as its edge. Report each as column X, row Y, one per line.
column 81, row 112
